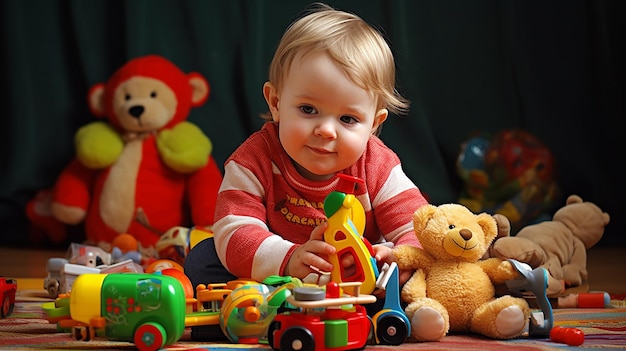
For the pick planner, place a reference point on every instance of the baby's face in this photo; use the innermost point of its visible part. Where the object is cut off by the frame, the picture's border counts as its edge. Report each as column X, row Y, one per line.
column 325, row 118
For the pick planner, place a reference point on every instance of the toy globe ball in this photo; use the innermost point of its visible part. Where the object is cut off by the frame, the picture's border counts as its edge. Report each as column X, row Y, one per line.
column 511, row 173
column 518, row 155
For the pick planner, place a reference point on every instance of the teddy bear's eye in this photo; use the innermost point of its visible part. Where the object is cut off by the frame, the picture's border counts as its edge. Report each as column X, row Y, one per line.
column 127, row 97
column 153, row 94
column 451, row 226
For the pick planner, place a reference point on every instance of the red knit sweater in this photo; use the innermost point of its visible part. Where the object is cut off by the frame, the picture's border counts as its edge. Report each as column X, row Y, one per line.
column 265, row 208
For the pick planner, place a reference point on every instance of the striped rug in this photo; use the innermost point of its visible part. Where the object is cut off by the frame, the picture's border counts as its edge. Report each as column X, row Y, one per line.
column 27, row 329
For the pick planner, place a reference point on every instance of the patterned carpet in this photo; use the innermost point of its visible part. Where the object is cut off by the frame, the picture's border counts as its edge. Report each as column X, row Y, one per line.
column 27, row 329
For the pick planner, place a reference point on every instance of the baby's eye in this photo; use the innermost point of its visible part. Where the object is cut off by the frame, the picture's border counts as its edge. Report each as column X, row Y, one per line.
column 309, row 110
column 348, row 119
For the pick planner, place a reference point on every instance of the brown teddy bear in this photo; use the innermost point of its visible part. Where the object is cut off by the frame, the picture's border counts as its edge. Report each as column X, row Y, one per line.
column 559, row 245
column 452, row 289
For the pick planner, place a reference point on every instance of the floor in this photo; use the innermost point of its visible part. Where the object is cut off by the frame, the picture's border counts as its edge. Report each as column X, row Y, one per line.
column 606, row 267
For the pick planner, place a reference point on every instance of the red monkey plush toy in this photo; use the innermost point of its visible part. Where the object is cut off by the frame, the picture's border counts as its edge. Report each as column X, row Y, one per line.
column 146, row 169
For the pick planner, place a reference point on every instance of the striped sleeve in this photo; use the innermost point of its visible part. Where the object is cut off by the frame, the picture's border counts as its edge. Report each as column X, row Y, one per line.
column 395, row 197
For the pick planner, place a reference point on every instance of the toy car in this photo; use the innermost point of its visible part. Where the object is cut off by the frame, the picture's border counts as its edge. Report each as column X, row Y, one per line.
column 326, row 320
column 147, row 309
column 8, row 288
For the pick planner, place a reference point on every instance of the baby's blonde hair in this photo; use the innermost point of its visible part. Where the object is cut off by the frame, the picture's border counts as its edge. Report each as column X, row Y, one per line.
column 357, row 48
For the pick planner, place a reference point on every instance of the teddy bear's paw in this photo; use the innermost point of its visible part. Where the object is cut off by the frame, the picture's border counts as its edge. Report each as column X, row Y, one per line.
column 555, row 287
column 510, row 322
column 427, row 324
column 68, row 214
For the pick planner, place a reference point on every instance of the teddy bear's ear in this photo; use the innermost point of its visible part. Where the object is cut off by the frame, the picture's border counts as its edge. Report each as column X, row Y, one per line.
column 573, row 199
column 422, row 215
column 489, row 227
column 95, row 99
column 199, row 89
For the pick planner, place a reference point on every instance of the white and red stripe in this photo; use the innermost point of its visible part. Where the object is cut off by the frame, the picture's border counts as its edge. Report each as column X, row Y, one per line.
column 265, row 207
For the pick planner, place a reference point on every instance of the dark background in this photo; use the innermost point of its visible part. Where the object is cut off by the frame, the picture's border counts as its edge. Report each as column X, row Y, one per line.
column 552, row 68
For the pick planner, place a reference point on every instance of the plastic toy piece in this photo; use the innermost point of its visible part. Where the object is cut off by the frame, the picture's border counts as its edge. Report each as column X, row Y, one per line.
column 205, row 321
column 596, row 299
column 87, row 255
column 147, row 309
column 391, row 325
column 346, row 222
column 52, row 283
column 569, row 336
column 8, row 288
column 247, row 312
column 177, row 241
column 241, row 316
column 326, row 320
column 534, row 283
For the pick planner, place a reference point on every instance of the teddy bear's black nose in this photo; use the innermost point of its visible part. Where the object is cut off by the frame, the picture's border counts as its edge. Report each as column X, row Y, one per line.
column 136, row 111
column 465, row 234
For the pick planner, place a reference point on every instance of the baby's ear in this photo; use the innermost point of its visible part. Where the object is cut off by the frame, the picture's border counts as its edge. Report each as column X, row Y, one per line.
column 380, row 117
column 273, row 101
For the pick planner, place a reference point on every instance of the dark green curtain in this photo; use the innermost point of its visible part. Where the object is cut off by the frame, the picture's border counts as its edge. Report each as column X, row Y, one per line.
column 552, row 68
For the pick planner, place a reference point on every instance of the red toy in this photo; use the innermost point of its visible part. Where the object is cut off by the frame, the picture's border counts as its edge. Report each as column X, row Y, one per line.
column 146, row 169
column 570, row 336
column 324, row 322
column 8, row 288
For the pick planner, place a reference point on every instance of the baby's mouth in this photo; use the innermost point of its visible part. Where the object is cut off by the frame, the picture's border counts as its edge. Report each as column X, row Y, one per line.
column 320, row 151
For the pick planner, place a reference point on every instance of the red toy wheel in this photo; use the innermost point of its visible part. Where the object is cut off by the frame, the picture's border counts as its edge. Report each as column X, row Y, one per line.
column 7, row 307
column 150, row 337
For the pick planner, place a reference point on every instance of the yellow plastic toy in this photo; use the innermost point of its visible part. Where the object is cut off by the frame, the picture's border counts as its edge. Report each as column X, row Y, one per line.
column 346, row 223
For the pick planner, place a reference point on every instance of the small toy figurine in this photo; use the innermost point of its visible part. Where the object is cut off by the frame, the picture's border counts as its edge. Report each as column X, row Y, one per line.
column 52, row 283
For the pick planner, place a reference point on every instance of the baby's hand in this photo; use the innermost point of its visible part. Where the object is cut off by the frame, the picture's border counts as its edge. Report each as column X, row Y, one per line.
column 383, row 253
column 311, row 255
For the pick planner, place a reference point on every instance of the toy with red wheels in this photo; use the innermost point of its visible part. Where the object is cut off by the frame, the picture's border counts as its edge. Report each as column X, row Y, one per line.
column 146, row 309
column 326, row 319
column 8, row 288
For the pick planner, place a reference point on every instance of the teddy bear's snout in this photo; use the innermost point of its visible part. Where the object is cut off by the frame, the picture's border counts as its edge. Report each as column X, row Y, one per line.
column 136, row 111
column 466, row 234
column 460, row 242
